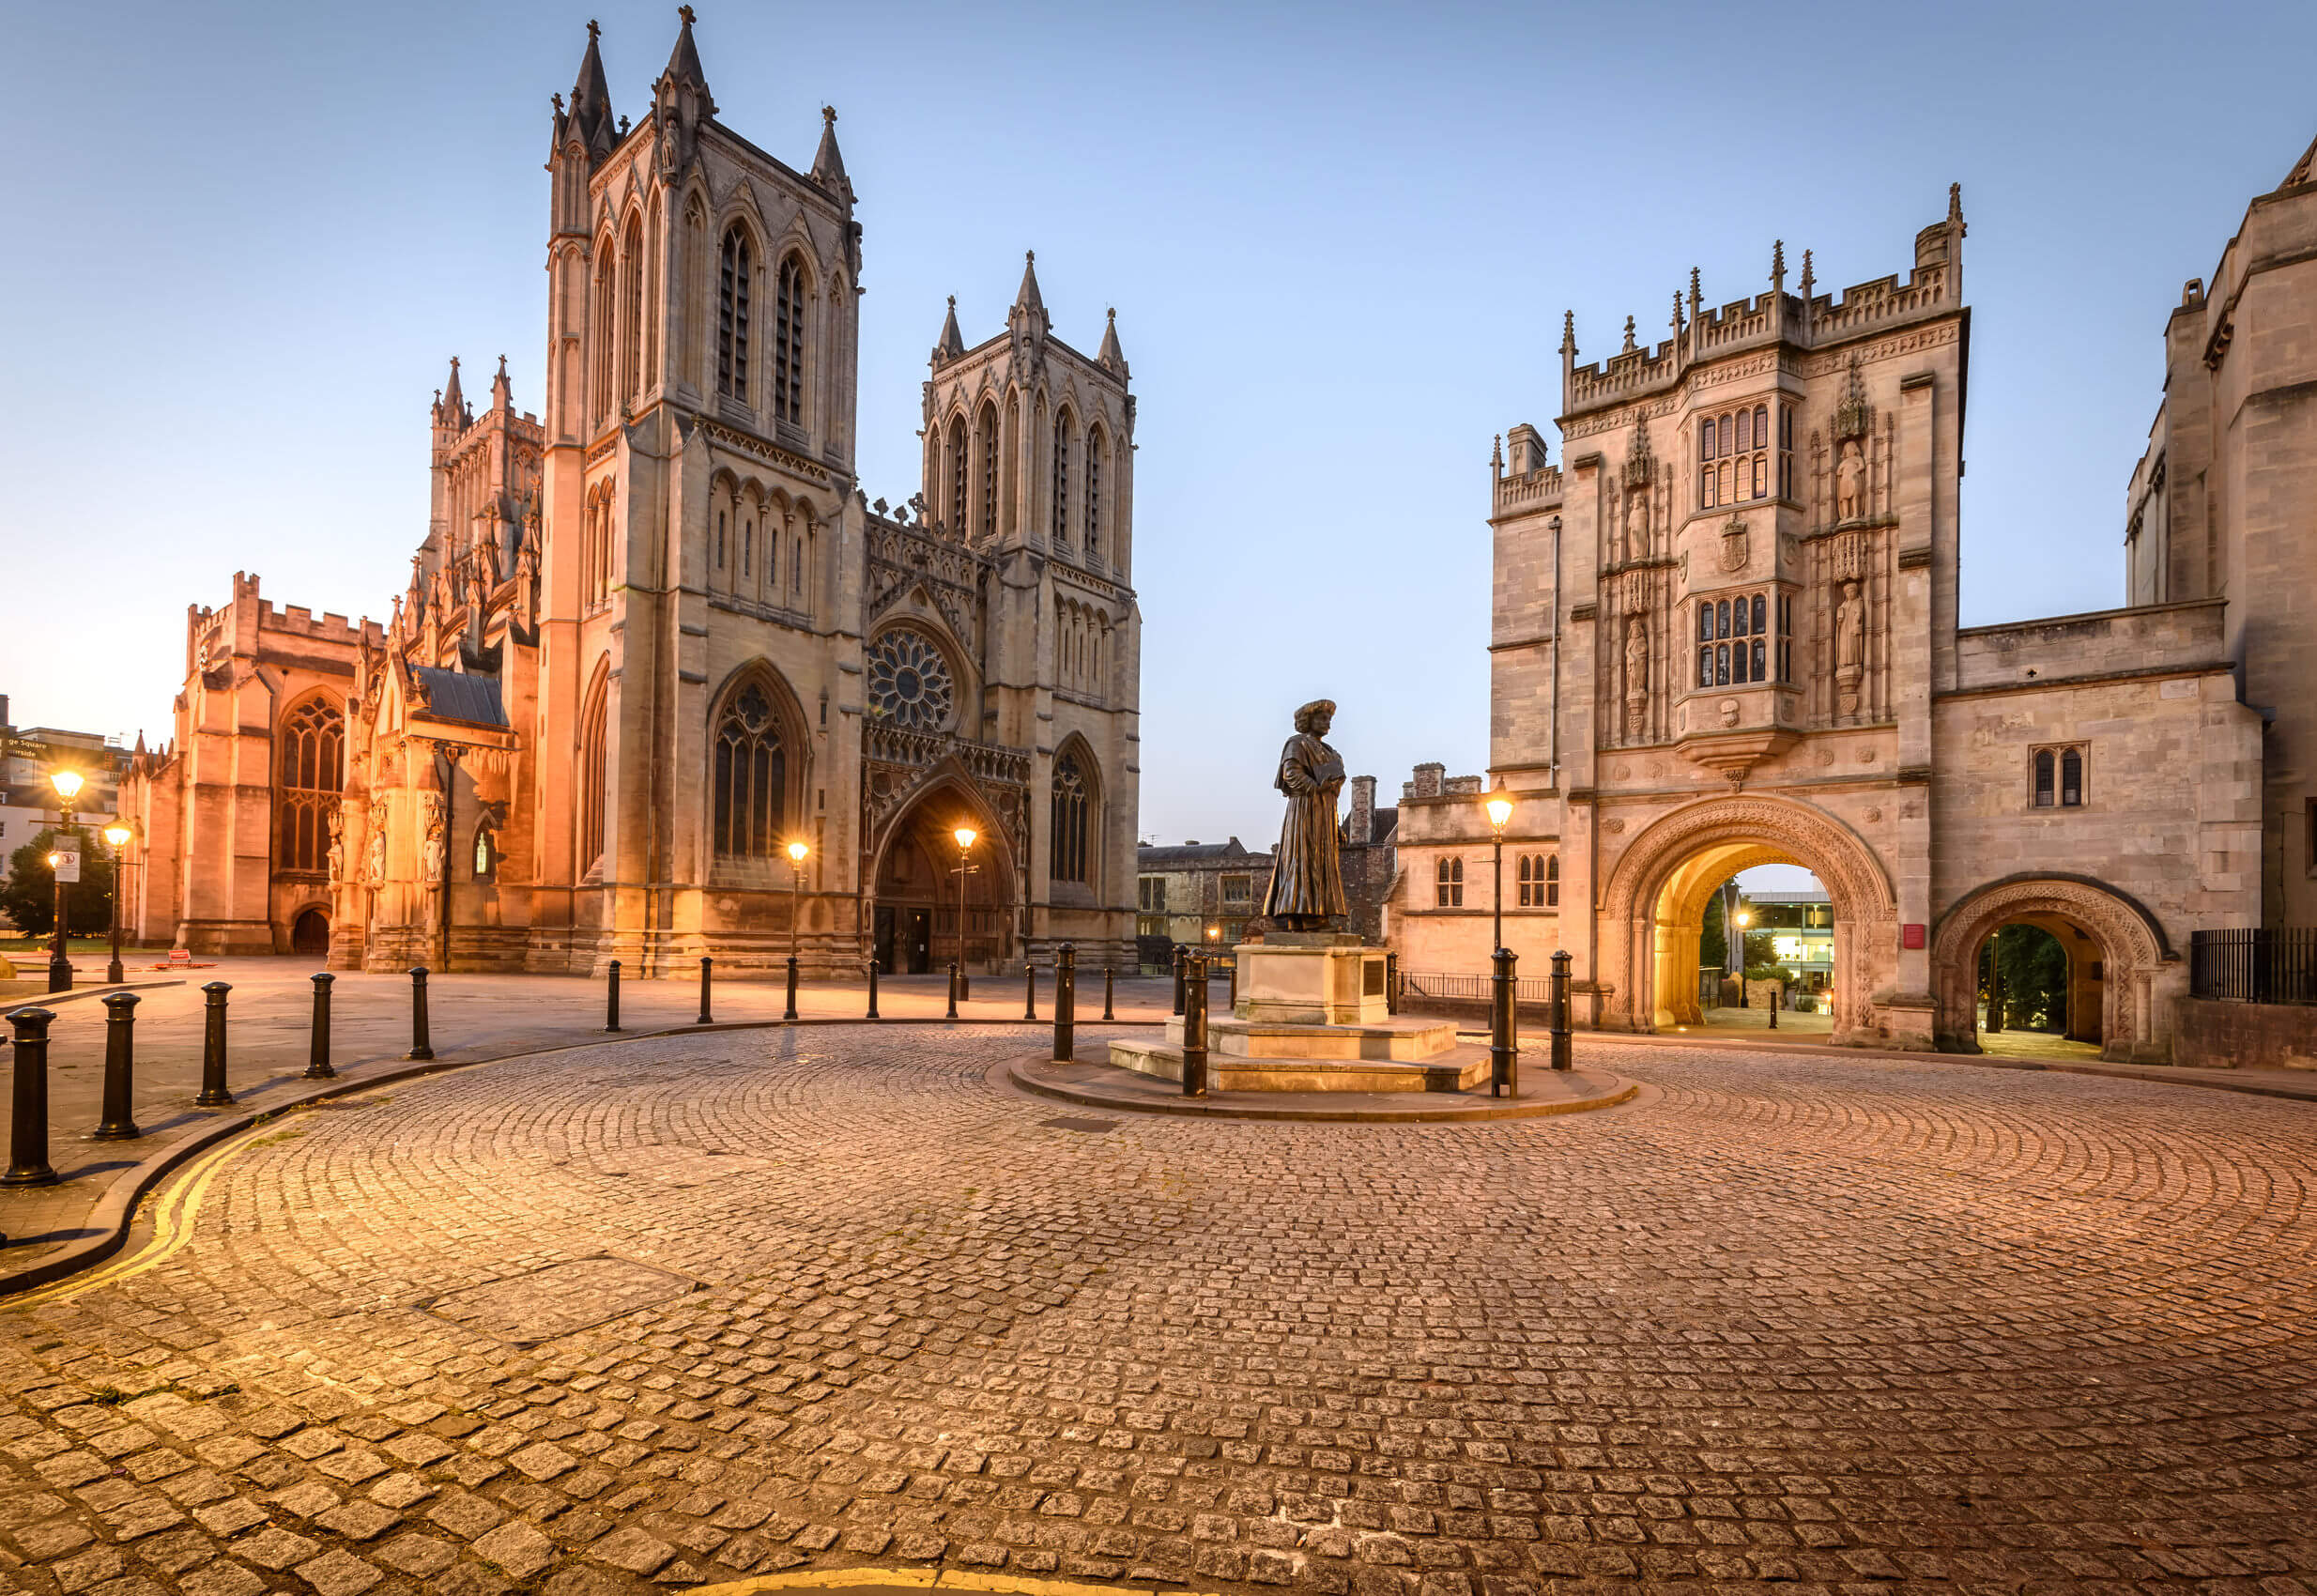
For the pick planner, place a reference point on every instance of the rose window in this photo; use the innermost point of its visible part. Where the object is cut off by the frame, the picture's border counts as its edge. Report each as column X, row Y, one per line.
column 909, row 681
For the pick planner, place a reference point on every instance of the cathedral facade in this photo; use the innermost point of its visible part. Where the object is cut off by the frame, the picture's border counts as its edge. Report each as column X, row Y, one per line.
column 1726, row 633
column 657, row 637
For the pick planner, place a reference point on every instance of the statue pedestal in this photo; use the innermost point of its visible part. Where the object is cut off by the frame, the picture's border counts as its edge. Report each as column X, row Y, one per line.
column 1311, row 1016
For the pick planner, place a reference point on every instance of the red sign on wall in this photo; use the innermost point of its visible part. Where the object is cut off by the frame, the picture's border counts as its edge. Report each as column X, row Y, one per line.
column 1911, row 936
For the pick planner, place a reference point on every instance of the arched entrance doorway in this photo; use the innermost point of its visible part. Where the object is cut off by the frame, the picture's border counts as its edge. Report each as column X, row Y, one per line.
column 2122, row 973
column 1653, row 909
column 915, row 927
column 310, row 932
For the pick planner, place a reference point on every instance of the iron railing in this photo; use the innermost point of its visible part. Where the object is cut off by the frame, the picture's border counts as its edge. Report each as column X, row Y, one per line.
column 2275, row 965
column 1470, row 989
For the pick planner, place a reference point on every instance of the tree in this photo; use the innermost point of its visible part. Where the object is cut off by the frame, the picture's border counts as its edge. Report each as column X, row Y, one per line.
column 1762, row 958
column 2034, row 967
column 1713, row 939
column 29, row 895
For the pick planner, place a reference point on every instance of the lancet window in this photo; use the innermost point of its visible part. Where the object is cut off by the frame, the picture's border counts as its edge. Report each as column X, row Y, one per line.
column 989, row 527
column 732, row 317
column 789, row 344
column 1062, row 477
column 1448, row 881
column 1094, row 495
column 1540, row 880
column 2058, row 778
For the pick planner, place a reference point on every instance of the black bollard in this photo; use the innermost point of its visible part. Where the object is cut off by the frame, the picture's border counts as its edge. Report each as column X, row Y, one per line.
column 1776, row 993
column 213, row 1093
column 420, row 1048
column 1391, row 983
column 1231, row 997
column 1194, row 1026
column 611, row 997
column 317, row 1054
column 953, row 991
column 28, row 1162
column 1560, row 1010
column 1106, row 993
column 1504, row 1052
column 120, row 1068
column 1066, row 1003
column 1029, row 991
column 789, row 1013
column 1182, row 956
column 707, row 976
column 873, row 1013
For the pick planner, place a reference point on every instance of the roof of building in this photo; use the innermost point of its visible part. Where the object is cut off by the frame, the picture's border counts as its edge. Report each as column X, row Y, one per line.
column 454, row 694
column 1183, row 855
column 1801, row 894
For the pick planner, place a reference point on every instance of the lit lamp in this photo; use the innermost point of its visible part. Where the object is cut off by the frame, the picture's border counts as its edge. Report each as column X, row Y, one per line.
column 67, row 786
column 965, row 835
column 796, row 882
column 117, row 835
column 1499, row 809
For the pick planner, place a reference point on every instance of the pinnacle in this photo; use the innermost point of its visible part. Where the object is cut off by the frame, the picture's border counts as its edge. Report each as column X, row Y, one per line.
column 1029, row 297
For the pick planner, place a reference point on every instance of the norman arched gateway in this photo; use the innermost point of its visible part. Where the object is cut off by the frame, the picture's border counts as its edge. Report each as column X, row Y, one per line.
column 1726, row 633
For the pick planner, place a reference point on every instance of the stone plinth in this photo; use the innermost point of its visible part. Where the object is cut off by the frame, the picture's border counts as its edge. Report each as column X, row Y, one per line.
column 1454, row 1069
column 1310, row 978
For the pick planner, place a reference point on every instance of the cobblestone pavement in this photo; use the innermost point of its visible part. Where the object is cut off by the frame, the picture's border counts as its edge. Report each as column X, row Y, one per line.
column 685, row 1309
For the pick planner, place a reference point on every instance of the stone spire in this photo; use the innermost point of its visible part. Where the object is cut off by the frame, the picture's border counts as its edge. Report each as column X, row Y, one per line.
column 1568, row 332
column 502, row 391
column 1778, row 266
column 680, row 100
column 590, row 101
column 1111, row 357
column 1028, row 319
column 684, row 64
column 828, row 164
column 1029, row 299
column 951, row 343
column 449, row 403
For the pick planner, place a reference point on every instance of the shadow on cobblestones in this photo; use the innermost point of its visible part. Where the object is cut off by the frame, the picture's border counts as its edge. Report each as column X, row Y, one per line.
column 700, row 1307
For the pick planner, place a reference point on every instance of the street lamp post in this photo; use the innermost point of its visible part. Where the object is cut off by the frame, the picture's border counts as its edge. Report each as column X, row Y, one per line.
column 118, row 835
column 1499, row 811
column 68, row 785
column 1741, row 920
column 796, row 887
column 965, row 835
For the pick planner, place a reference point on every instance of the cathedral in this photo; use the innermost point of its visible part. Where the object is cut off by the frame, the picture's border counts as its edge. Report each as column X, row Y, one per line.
column 1726, row 633
column 665, row 683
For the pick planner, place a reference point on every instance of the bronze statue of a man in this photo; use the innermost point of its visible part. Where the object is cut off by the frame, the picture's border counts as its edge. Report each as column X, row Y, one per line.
column 1307, row 873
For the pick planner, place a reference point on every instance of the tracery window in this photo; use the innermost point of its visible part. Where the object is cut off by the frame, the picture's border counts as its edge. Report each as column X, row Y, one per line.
column 1734, row 641
column 1449, row 884
column 1066, row 851
column 732, row 318
column 1062, row 477
column 789, row 344
column 1733, row 456
column 957, row 461
column 313, row 746
column 909, row 681
column 594, row 747
column 989, row 472
column 632, row 309
column 751, row 776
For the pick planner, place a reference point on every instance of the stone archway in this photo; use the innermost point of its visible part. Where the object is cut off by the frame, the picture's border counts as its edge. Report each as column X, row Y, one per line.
column 912, row 913
column 2140, row 975
column 1657, row 888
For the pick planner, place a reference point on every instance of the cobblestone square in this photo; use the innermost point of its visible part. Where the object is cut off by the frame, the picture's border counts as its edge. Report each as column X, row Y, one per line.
column 685, row 1310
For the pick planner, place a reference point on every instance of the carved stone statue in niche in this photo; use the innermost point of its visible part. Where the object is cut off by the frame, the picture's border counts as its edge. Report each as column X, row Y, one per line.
column 433, row 853
column 1849, row 648
column 1850, row 483
column 1636, row 676
column 1637, row 523
column 337, row 844
column 374, row 872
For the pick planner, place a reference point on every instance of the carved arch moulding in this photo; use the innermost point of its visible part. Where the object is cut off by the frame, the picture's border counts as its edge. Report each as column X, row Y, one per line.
column 2142, row 974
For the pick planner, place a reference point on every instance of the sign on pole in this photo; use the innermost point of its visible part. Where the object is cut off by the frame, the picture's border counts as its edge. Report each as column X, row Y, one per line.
column 68, row 864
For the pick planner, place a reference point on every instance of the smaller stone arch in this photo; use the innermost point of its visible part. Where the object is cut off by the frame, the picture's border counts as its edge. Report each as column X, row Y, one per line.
column 2142, row 977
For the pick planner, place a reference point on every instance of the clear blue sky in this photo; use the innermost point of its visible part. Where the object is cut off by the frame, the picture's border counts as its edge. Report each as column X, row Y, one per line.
column 248, row 238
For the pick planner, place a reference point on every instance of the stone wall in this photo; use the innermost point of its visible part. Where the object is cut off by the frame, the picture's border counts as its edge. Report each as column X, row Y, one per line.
column 2245, row 1035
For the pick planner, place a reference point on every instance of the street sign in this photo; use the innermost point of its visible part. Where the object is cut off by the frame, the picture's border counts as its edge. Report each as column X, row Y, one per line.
column 68, row 864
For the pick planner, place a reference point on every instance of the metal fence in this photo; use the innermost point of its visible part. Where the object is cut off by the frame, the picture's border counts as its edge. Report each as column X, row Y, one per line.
column 2278, row 965
column 1471, row 989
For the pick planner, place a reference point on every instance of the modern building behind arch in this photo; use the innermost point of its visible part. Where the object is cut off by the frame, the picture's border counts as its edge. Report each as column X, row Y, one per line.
column 654, row 639
column 1724, row 634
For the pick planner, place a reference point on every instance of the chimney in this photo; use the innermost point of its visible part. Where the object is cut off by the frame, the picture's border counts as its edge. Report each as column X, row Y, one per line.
column 1360, row 829
column 1428, row 780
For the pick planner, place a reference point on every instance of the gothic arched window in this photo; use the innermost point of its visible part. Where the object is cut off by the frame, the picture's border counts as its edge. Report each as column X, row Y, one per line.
column 732, row 317
column 1552, row 880
column 1094, row 494
column 988, row 527
column 789, row 342
column 599, row 389
column 958, row 459
column 751, row 775
column 2043, row 778
column 632, row 310
column 1070, row 807
column 1062, row 477
column 1449, row 884
column 313, row 747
